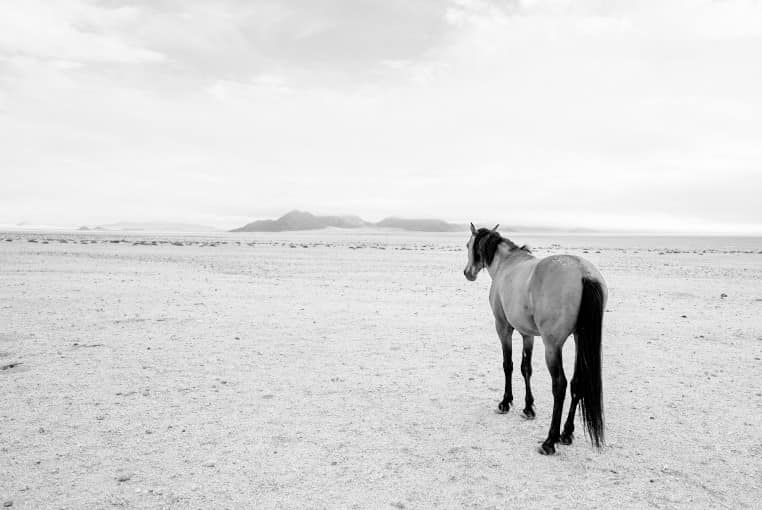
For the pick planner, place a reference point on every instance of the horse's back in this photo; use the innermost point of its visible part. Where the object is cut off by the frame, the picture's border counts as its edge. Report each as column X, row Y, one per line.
column 556, row 290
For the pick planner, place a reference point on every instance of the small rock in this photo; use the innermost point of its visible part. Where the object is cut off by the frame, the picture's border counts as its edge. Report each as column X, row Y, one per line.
column 684, row 316
column 723, row 295
column 7, row 503
column 208, row 463
column 123, row 477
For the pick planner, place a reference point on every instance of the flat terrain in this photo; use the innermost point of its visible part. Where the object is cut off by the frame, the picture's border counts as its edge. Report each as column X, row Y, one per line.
column 329, row 371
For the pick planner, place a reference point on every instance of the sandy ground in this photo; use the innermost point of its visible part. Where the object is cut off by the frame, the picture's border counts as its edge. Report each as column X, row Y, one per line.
column 334, row 373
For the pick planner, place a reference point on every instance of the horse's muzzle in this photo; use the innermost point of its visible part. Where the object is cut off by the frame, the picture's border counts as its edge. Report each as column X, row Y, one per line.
column 470, row 277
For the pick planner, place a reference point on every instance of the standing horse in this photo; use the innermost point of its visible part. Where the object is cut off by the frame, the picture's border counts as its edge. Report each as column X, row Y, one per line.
column 552, row 297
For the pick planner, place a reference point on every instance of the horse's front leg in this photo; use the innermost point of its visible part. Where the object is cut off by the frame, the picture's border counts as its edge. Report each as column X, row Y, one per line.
column 505, row 332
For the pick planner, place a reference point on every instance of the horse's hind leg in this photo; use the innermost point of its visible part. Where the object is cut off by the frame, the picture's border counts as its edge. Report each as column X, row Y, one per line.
column 526, row 371
column 567, row 436
column 555, row 367
column 505, row 332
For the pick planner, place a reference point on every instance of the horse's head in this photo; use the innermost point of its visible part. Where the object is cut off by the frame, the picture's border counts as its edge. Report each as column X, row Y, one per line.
column 476, row 250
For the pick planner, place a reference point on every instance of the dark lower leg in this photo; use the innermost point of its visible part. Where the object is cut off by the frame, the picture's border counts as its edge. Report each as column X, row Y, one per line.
column 567, row 436
column 526, row 372
column 555, row 366
column 505, row 405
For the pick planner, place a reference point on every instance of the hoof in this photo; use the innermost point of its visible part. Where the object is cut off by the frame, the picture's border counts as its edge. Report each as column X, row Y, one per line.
column 503, row 407
column 567, row 439
column 528, row 413
column 546, row 449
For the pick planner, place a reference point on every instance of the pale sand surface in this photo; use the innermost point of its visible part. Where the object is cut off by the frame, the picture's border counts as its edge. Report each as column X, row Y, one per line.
column 337, row 374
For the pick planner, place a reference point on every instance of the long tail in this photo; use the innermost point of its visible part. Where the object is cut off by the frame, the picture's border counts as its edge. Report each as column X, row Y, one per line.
column 587, row 368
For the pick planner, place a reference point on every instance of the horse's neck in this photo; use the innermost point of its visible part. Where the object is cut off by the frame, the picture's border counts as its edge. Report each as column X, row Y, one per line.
column 505, row 257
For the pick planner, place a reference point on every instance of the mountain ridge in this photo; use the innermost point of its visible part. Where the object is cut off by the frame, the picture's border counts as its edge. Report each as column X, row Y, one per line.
column 302, row 220
column 150, row 226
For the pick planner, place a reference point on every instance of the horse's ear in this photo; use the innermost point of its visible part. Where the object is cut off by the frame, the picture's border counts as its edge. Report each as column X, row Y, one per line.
column 495, row 229
column 473, row 229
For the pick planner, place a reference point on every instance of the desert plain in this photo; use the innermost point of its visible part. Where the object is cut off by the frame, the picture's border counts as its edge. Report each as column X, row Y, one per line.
column 361, row 370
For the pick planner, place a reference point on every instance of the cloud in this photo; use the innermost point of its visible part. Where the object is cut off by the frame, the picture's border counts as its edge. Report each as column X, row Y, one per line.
column 68, row 31
column 233, row 39
column 593, row 113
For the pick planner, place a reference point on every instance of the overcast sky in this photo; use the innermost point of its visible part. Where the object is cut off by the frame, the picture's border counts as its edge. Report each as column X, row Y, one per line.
column 597, row 113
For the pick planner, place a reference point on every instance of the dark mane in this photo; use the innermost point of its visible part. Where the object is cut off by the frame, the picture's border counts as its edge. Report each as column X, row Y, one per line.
column 486, row 242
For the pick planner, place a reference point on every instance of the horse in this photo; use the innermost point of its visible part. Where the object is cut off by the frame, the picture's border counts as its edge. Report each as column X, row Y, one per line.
column 553, row 297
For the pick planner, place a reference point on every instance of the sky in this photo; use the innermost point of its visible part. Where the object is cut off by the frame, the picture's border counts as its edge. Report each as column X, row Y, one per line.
column 606, row 114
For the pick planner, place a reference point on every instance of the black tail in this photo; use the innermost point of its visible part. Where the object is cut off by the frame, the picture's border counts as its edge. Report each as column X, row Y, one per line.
column 587, row 368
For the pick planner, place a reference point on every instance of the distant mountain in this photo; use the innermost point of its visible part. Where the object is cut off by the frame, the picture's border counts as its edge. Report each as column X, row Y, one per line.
column 300, row 220
column 420, row 225
column 154, row 226
column 535, row 229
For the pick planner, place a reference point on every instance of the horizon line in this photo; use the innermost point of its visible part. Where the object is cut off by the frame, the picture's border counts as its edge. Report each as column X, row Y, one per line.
column 229, row 223
column 538, row 230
